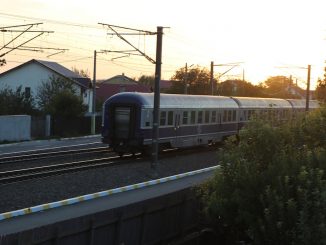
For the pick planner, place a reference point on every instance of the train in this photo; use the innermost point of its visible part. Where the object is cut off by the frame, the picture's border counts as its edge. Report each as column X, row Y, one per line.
column 184, row 120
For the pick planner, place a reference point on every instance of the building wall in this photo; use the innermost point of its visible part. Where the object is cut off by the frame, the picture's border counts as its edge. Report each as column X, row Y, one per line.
column 15, row 128
column 32, row 75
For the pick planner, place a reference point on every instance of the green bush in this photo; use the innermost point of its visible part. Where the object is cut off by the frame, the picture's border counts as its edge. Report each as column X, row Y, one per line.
column 271, row 186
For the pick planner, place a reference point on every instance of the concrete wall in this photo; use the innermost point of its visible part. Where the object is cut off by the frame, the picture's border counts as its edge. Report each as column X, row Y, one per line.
column 15, row 128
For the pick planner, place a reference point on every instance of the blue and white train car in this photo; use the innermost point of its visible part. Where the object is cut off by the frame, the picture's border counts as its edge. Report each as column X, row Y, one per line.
column 185, row 120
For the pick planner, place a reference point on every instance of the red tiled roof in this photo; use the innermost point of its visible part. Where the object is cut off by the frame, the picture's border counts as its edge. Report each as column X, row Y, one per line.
column 165, row 84
column 104, row 91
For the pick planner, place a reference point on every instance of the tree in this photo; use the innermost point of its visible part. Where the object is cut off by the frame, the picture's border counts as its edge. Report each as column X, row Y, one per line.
column 197, row 79
column 48, row 89
column 66, row 105
column 321, row 89
column 81, row 72
column 278, row 87
column 16, row 102
column 239, row 88
column 148, row 81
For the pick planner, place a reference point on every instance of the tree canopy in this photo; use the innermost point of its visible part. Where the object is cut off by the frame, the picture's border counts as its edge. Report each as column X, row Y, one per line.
column 321, row 89
column 239, row 88
column 51, row 87
column 196, row 79
column 278, row 87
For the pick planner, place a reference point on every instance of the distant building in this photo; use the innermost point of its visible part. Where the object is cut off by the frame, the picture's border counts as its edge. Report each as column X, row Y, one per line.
column 299, row 92
column 118, row 84
column 165, row 85
column 32, row 74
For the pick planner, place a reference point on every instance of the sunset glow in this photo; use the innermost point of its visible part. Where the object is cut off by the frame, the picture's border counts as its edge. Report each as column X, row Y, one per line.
column 269, row 37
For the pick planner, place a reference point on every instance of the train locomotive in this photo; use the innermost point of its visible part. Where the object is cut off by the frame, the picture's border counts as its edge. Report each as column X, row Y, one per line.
column 184, row 120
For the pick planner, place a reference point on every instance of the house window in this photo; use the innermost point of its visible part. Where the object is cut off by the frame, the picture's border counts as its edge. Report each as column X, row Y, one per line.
column 27, row 92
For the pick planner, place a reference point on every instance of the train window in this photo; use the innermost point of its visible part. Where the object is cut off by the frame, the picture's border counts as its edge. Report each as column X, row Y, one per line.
column 234, row 115
column 170, row 118
column 213, row 116
column 200, row 117
column 193, row 117
column 245, row 115
column 225, row 116
column 207, row 116
column 229, row 116
column 163, row 118
column 185, row 117
column 146, row 118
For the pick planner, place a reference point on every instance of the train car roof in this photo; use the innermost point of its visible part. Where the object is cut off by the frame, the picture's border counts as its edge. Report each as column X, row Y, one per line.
column 146, row 100
column 249, row 102
column 299, row 104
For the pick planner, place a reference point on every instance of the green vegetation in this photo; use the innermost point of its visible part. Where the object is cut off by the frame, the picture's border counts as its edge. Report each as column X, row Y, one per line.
column 16, row 102
column 271, row 187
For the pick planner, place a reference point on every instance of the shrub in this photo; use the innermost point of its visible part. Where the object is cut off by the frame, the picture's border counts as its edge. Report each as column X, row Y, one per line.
column 271, row 186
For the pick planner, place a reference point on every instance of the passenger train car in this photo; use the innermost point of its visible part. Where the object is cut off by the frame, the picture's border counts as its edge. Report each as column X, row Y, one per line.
column 185, row 120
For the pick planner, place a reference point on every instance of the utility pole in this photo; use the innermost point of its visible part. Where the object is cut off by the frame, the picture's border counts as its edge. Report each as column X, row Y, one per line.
column 94, row 97
column 233, row 65
column 308, row 88
column 158, row 63
column 186, row 79
column 212, row 78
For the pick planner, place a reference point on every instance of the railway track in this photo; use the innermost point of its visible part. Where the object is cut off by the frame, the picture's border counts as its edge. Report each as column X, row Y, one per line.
column 22, row 157
column 18, row 175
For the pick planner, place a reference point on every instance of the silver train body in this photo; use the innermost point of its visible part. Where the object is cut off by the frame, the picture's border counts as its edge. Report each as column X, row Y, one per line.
column 185, row 120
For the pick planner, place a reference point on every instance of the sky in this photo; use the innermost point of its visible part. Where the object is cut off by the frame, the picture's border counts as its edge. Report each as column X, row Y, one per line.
column 264, row 37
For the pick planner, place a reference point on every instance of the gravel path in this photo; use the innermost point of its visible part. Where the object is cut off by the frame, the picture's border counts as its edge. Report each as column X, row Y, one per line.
column 34, row 192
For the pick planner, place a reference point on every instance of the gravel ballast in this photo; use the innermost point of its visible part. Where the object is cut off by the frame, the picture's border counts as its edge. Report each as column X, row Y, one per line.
column 34, row 192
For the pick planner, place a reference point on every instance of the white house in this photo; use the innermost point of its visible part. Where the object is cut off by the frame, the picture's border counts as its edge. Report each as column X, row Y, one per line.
column 32, row 74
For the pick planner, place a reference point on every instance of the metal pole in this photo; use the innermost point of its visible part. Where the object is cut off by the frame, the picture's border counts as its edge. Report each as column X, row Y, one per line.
column 186, row 79
column 158, row 63
column 94, row 96
column 308, row 88
column 212, row 77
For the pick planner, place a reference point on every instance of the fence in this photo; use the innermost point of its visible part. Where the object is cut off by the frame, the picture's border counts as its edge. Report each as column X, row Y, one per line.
column 15, row 128
column 45, row 126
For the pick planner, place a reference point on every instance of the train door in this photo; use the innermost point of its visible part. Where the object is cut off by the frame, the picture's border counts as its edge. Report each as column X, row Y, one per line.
column 122, row 122
column 177, row 141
